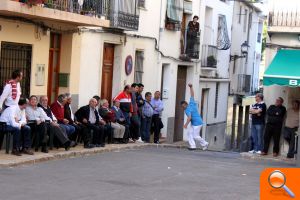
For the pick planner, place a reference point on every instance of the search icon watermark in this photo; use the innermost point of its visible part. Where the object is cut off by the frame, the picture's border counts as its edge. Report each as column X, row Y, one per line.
column 277, row 180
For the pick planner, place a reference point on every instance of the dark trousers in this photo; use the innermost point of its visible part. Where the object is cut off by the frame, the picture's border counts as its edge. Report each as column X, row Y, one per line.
column 98, row 134
column 146, row 126
column 57, row 132
column 289, row 136
column 272, row 130
column 39, row 134
column 156, row 127
column 135, row 127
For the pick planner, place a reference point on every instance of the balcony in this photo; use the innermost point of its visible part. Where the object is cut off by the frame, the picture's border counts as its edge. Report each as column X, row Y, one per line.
column 284, row 21
column 190, row 45
column 209, row 56
column 123, row 14
column 61, row 11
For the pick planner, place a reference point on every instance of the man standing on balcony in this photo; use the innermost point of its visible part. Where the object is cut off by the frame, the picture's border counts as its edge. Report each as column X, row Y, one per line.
column 12, row 90
column 194, row 117
column 192, row 33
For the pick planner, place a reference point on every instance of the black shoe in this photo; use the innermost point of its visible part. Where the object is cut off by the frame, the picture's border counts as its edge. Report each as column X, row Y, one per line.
column 290, row 156
column 45, row 149
column 16, row 152
column 73, row 144
column 27, row 151
column 67, row 145
column 102, row 145
column 97, row 145
column 191, row 149
column 89, row 146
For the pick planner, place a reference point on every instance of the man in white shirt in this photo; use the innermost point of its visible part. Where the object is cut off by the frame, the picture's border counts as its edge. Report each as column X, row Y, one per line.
column 14, row 117
column 12, row 91
column 37, row 121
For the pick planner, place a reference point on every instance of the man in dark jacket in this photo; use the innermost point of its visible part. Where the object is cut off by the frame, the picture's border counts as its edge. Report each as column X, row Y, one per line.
column 89, row 117
column 275, row 118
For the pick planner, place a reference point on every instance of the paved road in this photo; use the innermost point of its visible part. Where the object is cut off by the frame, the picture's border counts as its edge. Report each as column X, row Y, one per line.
column 142, row 174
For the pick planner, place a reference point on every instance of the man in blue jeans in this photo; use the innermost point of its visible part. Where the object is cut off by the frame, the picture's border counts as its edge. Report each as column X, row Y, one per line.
column 147, row 113
column 258, row 112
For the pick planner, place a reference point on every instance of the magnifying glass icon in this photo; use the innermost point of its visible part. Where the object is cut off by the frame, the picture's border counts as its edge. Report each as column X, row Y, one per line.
column 277, row 180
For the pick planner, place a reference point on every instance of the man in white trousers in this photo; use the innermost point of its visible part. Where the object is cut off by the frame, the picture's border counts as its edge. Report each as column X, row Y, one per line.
column 194, row 117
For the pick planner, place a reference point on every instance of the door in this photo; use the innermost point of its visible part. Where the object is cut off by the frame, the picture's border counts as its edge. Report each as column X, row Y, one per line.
column 54, row 66
column 204, row 106
column 107, row 72
column 16, row 56
column 180, row 95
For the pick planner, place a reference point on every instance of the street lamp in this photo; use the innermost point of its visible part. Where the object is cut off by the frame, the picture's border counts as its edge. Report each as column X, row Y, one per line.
column 244, row 51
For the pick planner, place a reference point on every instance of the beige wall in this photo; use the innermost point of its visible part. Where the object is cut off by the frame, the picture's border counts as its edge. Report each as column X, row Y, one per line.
column 18, row 32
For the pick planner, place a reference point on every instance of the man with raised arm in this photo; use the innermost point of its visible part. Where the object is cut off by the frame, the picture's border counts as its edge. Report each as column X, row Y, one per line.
column 195, row 119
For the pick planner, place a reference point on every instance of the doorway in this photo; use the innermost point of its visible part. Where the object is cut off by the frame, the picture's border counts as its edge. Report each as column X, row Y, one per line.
column 204, row 107
column 107, row 72
column 180, row 95
column 54, row 66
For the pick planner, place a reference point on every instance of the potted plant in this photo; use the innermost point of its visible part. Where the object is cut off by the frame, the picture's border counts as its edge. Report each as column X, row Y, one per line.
column 211, row 61
column 34, row 2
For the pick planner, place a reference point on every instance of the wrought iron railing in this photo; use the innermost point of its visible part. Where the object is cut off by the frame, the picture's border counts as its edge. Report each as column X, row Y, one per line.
column 209, row 56
column 113, row 10
column 243, row 83
column 190, row 44
column 284, row 18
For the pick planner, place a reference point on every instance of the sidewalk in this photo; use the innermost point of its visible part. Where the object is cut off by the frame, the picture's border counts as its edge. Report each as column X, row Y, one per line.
column 269, row 157
column 8, row 160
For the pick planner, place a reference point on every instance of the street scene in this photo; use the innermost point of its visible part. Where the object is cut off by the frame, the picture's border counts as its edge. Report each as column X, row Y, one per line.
column 140, row 99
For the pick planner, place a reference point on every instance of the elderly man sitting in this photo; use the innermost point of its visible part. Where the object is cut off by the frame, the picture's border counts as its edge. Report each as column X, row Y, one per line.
column 109, row 116
column 89, row 117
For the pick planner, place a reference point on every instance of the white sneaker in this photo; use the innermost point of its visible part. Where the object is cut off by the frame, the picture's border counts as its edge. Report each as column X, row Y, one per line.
column 205, row 147
column 258, row 152
column 140, row 140
column 252, row 151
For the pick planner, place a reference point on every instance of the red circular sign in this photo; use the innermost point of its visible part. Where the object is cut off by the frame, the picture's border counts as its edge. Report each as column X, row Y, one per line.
column 128, row 65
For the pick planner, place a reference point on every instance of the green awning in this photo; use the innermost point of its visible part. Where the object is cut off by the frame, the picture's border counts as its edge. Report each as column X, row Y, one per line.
column 284, row 69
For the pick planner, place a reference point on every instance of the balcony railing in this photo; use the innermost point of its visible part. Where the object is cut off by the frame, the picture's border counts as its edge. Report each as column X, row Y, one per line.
column 123, row 14
column 190, row 44
column 284, row 18
column 209, row 56
column 243, row 83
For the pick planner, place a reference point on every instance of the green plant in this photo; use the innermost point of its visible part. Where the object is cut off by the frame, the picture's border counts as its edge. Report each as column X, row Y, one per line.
column 211, row 61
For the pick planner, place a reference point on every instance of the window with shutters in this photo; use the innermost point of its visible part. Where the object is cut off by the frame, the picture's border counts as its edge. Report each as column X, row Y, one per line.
column 139, row 67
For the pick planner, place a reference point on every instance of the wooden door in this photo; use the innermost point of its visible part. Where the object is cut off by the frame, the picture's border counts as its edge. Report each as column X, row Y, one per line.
column 54, row 66
column 180, row 95
column 107, row 72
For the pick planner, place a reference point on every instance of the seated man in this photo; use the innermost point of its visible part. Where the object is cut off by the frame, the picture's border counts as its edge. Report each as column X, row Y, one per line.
column 109, row 116
column 36, row 121
column 89, row 117
column 54, row 128
column 59, row 111
column 14, row 117
column 69, row 115
column 120, row 118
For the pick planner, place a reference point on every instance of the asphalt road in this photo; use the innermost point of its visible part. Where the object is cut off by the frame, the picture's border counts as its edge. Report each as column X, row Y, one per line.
column 141, row 174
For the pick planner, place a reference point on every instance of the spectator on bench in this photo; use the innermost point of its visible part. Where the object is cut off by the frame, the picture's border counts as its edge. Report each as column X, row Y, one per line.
column 89, row 117
column 120, row 119
column 54, row 128
column 109, row 116
column 36, row 120
column 14, row 117
column 58, row 110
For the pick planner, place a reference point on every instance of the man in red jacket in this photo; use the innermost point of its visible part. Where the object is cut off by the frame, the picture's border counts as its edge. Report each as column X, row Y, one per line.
column 58, row 110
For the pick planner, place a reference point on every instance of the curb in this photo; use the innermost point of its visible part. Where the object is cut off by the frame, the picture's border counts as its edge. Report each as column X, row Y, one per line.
column 247, row 155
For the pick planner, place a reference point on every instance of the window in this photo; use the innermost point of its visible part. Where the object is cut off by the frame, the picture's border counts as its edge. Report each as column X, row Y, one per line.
column 139, row 68
column 259, row 37
column 142, row 3
column 174, row 15
column 16, row 56
column 245, row 20
column 216, row 100
column 240, row 14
